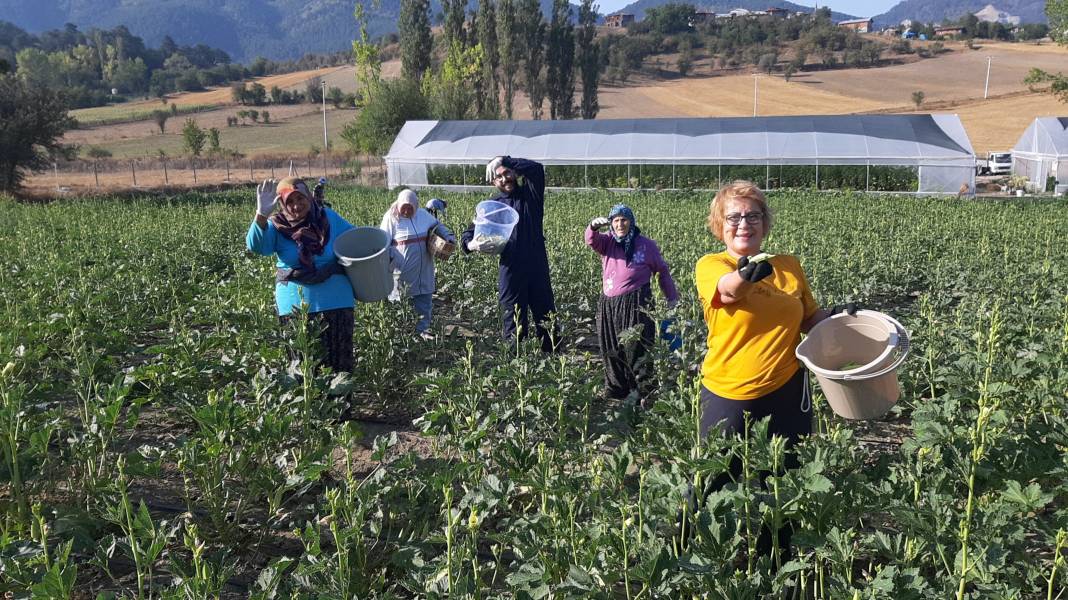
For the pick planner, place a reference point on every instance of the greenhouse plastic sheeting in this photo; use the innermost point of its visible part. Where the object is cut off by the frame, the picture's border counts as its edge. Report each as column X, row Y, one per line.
column 936, row 145
column 1042, row 151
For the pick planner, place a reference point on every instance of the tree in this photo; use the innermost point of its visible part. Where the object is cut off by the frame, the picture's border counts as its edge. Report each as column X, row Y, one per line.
column 788, row 72
column 453, row 29
column 395, row 102
column 32, row 120
column 214, row 146
column 685, row 62
column 560, row 62
column 450, row 92
column 589, row 59
column 917, row 98
column 1057, row 12
column 670, row 18
column 533, row 31
column 415, row 38
column 160, row 117
column 313, row 90
column 335, row 96
column 365, row 54
column 508, row 45
column 193, row 137
column 487, row 92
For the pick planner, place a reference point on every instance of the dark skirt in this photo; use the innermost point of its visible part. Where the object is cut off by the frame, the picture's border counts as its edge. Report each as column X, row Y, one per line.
column 625, row 364
column 335, row 337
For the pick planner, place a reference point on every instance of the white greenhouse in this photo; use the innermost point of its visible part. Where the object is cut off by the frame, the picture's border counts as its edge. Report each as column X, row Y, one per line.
column 1041, row 155
column 927, row 154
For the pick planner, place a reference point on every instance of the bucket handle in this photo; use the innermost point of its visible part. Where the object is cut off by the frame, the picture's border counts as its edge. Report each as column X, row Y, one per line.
column 903, row 347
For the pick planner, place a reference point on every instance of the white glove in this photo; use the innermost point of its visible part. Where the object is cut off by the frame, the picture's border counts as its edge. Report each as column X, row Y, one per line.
column 266, row 198
column 491, row 168
column 474, row 246
column 599, row 223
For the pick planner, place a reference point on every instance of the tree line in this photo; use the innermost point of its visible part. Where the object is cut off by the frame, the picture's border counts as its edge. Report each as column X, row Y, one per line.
column 476, row 66
column 102, row 66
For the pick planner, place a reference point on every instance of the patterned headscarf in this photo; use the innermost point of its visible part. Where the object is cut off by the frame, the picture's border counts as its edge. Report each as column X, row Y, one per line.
column 627, row 241
column 309, row 233
column 404, row 197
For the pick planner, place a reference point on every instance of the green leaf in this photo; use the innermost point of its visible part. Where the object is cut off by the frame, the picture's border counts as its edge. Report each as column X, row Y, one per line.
column 1029, row 499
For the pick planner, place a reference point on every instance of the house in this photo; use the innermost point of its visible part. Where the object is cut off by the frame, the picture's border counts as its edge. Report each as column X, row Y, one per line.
column 703, row 15
column 949, row 31
column 619, row 20
column 779, row 13
column 858, row 25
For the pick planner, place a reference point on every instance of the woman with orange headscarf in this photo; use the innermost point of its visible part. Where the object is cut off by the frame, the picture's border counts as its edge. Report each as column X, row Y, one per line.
column 301, row 235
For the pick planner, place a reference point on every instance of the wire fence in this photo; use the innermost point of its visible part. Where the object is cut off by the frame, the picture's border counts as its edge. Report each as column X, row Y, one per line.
column 113, row 175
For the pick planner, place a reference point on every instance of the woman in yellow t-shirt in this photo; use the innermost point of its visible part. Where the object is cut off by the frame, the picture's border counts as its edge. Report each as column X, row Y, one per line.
column 756, row 307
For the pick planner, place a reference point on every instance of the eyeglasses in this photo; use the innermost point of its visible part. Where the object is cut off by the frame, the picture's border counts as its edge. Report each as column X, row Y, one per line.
column 752, row 218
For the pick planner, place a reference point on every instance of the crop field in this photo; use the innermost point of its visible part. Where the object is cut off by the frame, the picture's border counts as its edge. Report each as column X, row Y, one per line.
column 157, row 441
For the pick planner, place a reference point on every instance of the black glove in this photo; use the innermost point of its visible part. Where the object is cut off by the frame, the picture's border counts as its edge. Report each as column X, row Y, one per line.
column 753, row 272
column 849, row 308
column 303, row 276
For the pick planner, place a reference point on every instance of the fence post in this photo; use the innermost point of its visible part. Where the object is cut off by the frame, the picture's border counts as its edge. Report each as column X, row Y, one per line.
column 96, row 177
column 250, row 176
column 272, row 171
column 166, row 176
column 55, row 174
column 193, row 163
column 227, row 171
column 133, row 172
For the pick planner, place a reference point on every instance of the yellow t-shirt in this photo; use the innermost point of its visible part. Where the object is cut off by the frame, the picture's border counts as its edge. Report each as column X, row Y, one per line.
column 751, row 342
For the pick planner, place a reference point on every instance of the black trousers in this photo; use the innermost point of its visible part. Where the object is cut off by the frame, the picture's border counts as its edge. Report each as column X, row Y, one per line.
column 791, row 417
column 625, row 367
column 522, row 296
column 335, row 337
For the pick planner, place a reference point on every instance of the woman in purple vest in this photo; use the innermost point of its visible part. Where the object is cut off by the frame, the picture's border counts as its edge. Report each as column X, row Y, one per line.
column 628, row 262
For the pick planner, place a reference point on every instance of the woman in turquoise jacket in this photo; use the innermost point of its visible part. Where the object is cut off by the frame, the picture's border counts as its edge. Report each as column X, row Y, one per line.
column 301, row 235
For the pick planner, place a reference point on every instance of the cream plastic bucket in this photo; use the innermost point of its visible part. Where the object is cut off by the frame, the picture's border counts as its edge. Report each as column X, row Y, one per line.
column 363, row 253
column 855, row 360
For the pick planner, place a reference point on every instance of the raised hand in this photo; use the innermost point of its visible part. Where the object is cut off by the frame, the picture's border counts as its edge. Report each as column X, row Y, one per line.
column 266, row 198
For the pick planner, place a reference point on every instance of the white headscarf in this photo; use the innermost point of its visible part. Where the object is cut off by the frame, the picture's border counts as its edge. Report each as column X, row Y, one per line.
column 404, row 197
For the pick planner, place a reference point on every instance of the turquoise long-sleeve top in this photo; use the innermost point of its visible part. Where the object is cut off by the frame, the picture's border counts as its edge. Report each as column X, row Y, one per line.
column 335, row 292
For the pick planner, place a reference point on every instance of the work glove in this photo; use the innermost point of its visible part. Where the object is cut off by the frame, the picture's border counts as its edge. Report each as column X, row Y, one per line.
column 266, row 198
column 849, row 308
column 599, row 223
column 319, row 190
column 753, row 272
column 474, row 246
column 491, row 168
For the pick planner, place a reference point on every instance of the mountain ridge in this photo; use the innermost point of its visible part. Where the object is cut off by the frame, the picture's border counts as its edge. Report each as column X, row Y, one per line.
column 935, row 11
column 245, row 29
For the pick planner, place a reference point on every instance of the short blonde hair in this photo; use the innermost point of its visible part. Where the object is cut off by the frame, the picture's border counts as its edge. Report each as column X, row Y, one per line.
column 733, row 190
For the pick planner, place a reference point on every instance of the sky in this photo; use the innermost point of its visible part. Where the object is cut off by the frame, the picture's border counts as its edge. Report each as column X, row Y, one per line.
column 860, row 8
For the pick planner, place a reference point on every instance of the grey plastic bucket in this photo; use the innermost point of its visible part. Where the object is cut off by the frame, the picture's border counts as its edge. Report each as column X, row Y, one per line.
column 363, row 251
column 855, row 360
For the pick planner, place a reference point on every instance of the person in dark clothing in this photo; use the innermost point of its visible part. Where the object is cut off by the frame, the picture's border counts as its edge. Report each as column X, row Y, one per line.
column 523, row 282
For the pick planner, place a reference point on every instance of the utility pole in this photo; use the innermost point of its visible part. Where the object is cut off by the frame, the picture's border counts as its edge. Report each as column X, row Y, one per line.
column 326, row 144
column 986, row 88
column 754, row 94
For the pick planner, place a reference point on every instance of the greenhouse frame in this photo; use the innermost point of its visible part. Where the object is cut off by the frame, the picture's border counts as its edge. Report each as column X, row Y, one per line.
column 1041, row 155
column 915, row 153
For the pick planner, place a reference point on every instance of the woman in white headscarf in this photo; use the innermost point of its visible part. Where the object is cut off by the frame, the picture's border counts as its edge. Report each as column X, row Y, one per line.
column 409, row 225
